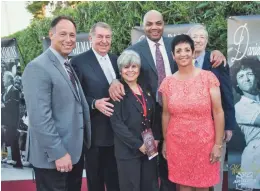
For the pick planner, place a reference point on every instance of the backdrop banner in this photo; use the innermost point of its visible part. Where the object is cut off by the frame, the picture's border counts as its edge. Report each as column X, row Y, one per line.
column 14, row 123
column 82, row 44
column 244, row 62
column 137, row 33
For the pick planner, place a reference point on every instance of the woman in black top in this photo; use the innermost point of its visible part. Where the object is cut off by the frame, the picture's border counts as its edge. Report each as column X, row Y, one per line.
column 133, row 116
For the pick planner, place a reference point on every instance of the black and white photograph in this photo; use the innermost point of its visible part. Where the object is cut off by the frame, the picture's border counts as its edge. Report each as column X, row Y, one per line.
column 244, row 62
column 14, row 124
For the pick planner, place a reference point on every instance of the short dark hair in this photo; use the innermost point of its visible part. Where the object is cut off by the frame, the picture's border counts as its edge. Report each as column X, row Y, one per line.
column 56, row 20
column 244, row 63
column 182, row 38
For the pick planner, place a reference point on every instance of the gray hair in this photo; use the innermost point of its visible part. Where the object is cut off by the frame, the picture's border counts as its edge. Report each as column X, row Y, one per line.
column 10, row 76
column 128, row 57
column 149, row 12
column 196, row 28
column 101, row 25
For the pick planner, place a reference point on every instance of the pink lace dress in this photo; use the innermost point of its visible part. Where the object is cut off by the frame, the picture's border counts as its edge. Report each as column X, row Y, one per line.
column 190, row 133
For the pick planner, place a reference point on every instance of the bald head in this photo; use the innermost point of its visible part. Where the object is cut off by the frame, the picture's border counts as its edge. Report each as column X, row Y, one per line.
column 153, row 25
column 152, row 14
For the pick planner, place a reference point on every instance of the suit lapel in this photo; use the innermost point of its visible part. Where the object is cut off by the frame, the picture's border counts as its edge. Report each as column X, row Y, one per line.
column 132, row 98
column 93, row 62
column 206, row 62
column 115, row 67
column 167, row 44
column 148, row 55
column 57, row 64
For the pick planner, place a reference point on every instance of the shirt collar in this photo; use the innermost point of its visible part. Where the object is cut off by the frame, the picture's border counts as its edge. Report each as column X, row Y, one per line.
column 98, row 56
column 152, row 43
column 61, row 59
column 247, row 100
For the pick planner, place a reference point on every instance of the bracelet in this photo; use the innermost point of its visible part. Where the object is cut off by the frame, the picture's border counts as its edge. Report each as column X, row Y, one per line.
column 93, row 104
column 219, row 146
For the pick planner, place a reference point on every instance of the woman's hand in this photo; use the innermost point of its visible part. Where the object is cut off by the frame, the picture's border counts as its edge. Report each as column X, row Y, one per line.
column 164, row 150
column 215, row 154
column 143, row 149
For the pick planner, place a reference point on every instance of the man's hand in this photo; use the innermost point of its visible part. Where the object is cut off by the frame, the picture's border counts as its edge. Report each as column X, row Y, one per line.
column 143, row 149
column 216, row 58
column 2, row 105
column 116, row 90
column 64, row 164
column 104, row 106
column 228, row 135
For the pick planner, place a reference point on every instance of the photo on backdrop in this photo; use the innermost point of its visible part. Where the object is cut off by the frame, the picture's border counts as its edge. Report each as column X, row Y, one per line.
column 14, row 124
column 244, row 62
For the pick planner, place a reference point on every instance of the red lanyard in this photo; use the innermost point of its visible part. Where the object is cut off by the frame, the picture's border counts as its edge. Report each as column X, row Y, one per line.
column 142, row 102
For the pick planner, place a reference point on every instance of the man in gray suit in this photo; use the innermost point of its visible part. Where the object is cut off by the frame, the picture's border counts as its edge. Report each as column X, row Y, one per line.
column 58, row 113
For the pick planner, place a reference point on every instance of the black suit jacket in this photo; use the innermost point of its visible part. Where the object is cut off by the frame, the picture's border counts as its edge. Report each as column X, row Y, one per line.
column 95, row 86
column 222, row 73
column 148, row 76
column 128, row 124
column 10, row 113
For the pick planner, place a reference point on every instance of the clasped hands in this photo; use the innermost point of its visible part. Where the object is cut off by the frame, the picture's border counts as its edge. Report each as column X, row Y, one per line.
column 143, row 147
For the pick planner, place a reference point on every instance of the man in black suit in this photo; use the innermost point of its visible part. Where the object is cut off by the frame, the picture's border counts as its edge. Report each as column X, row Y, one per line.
column 96, row 69
column 10, row 117
column 154, row 44
column 199, row 35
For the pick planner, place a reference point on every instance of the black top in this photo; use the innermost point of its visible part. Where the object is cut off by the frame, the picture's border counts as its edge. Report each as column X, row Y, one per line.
column 128, row 123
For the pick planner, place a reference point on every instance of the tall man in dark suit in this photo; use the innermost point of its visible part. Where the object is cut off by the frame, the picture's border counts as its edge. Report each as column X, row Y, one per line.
column 96, row 69
column 59, row 122
column 152, row 50
column 199, row 35
column 10, row 117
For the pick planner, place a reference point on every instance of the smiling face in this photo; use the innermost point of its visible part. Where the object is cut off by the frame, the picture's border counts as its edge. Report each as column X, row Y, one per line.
column 200, row 39
column 153, row 25
column 183, row 54
column 247, row 81
column 101, row 40
column 63, row 37
column 130, row 72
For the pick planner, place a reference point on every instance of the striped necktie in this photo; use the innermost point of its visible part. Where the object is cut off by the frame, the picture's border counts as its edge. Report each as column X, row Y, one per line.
column 71, row 76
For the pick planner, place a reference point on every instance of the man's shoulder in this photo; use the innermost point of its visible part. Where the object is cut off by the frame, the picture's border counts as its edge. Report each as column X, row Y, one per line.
column 137, row 45
column 83, row 55
column 112, row 55
column 40, row 60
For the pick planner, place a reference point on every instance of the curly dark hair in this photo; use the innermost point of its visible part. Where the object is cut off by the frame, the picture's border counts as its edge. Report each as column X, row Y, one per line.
column 252, row 63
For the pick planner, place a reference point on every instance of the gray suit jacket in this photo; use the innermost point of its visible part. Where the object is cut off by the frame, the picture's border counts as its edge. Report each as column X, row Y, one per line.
column 57, row 116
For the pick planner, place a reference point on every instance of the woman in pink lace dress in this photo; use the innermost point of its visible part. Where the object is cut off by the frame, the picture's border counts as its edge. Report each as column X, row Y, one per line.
column 193, row 140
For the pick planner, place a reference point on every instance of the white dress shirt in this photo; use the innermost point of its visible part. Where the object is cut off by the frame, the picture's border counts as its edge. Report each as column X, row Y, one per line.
column 106, row 66
column 162, row 48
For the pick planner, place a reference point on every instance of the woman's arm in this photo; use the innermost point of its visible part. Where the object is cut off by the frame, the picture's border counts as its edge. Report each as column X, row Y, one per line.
column 165, row 122
column 218, row 116
column 165, row 116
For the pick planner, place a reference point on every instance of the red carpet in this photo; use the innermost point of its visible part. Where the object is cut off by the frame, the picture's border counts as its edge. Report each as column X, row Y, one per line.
column 28, row 185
